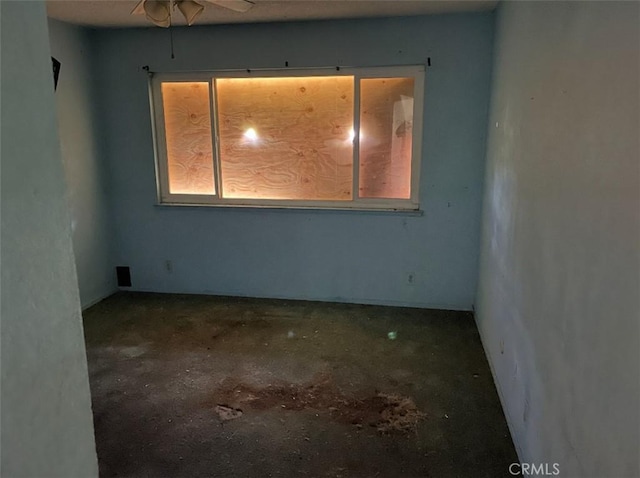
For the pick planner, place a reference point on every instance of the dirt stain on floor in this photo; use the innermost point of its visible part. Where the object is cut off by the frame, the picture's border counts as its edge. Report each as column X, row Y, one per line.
column 387, row 413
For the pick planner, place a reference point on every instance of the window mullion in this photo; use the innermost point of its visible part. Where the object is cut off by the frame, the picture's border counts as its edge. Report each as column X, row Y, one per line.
column 356, row 138
column 213, row 105
column 159, row 137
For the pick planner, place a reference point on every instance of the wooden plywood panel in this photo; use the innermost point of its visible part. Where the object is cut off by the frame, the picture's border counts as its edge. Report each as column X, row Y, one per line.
column 188, row 134
column 386, row 124
column 286, row 138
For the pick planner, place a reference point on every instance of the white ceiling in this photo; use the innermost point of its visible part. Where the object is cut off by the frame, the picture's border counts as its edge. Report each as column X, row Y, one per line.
column 117, row 13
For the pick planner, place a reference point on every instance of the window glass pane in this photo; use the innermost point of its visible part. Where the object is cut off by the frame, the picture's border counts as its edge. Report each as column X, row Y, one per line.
column 286, row 138
column 187, row 123
column 386, row 123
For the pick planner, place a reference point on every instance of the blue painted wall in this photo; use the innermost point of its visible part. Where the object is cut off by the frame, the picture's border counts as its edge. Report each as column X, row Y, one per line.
column 558, row 300
column 342, row 256
column 47, row 427
column 85, row 171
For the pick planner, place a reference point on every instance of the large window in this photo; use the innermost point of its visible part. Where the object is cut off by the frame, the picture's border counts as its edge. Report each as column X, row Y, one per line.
column 330, row 138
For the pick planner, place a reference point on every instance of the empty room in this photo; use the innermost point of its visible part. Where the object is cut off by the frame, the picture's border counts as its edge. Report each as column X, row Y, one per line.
column 342, row 238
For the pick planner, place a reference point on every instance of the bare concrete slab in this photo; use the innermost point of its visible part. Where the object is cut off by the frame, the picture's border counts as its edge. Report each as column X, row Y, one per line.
column 202, row 386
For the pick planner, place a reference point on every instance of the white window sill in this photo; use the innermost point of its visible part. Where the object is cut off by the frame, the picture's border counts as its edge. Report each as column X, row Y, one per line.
column 408, row 211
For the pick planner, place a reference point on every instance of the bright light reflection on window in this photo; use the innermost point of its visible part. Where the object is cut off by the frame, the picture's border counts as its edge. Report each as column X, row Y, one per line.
column 251, row 134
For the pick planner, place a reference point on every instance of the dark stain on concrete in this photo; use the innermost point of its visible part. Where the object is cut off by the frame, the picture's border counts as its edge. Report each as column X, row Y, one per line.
column 387, row 413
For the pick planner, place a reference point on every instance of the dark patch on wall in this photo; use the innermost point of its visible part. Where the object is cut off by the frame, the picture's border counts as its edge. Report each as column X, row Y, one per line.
column 56, row 72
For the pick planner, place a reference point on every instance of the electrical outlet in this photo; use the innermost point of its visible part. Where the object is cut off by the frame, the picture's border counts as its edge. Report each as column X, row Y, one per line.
column 411, row 278
column 168, row 265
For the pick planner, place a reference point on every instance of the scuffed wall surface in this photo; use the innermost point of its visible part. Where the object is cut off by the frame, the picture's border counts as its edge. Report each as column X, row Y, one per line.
column 86, row 174
column 47, row 427
column 558, row 305
column 427, row 260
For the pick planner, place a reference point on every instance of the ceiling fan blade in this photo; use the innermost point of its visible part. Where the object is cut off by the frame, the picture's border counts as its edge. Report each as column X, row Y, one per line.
column 235, row 5
column 158, row 12
column 139, row 10
column 189, row 9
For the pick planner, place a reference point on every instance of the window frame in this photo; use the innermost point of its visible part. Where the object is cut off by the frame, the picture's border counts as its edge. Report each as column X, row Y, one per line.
column 166, row 198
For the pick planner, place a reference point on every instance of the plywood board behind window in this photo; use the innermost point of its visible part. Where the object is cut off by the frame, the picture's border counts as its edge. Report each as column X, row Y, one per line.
column 286, row 138
column 386, row 137
column 188, row 135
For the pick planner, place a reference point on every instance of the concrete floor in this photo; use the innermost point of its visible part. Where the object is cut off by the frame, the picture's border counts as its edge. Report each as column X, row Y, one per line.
column 195, row 386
